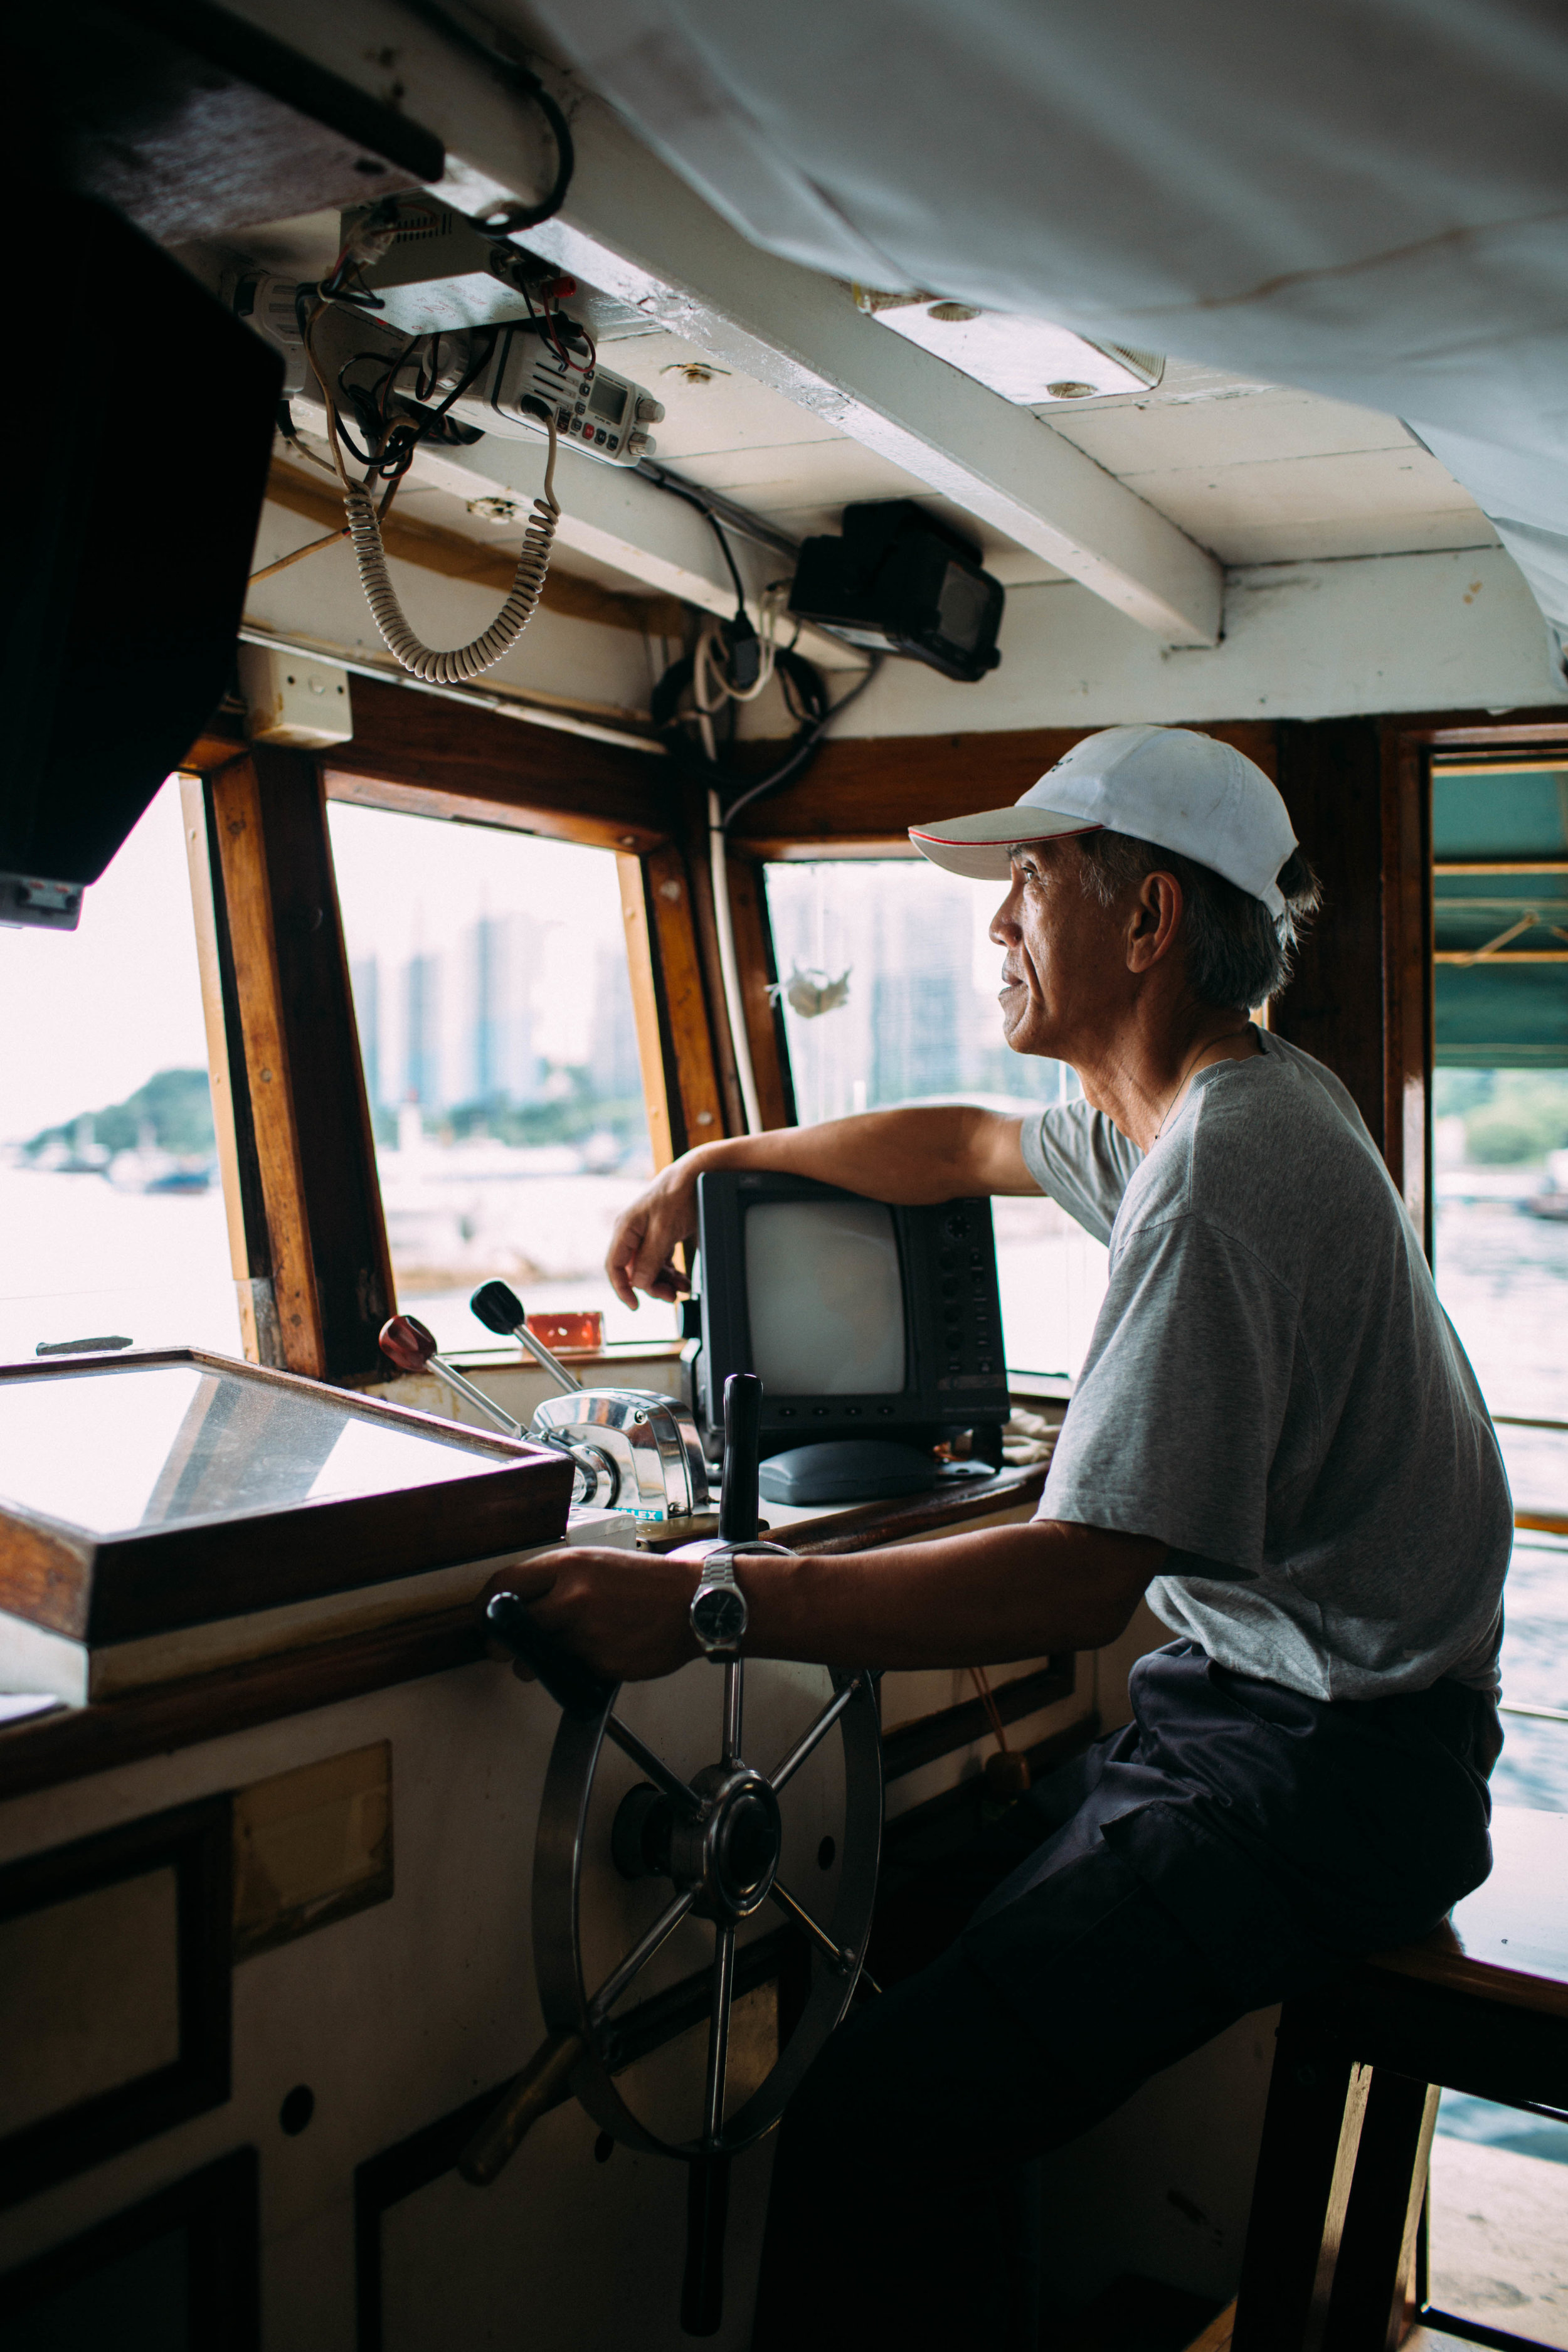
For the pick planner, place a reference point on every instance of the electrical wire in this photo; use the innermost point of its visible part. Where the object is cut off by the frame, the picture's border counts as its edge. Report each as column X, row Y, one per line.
column 453, row 664
column 508, row 216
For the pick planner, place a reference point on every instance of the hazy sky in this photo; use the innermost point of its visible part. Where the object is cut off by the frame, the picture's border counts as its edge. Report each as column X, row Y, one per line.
column 87, row 1016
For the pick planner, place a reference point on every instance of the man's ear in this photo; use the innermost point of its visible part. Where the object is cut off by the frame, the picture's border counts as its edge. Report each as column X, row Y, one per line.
column 1155, row 918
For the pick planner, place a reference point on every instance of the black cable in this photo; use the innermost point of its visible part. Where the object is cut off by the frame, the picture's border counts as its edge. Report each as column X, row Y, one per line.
column 804, row 749
column 662, row 481
column 505, row 218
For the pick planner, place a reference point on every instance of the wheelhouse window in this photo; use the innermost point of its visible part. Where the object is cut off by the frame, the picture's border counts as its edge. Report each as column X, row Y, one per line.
column 496, row 1027
column 889, row 985
column 111, row 1216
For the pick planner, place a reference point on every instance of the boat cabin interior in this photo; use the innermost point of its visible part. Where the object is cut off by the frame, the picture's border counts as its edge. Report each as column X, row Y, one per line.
column 552, row 497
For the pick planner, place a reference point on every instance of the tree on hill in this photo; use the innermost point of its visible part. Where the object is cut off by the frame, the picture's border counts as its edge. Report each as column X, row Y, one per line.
column 176, row 1105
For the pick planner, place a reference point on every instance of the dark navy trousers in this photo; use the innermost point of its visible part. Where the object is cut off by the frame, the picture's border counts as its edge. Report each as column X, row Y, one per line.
column 1235, row 1844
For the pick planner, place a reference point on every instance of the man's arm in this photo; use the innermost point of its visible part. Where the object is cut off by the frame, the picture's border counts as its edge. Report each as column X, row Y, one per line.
column 945, row 1153
column 964, row 1600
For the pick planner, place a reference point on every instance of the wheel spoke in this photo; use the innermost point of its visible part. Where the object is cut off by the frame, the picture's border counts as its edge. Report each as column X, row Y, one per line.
column 658, row 1771
column 818, row 1732
column 843, row 1961
column 642, row 1951
column 719, row 2036
column 733, row 1695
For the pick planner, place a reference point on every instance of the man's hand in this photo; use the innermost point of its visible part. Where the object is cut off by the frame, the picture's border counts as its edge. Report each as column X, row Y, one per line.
column 641, row 1254
column 624, row 1613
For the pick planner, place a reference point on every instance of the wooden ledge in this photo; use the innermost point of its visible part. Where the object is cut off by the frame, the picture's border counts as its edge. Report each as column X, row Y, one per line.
column 71, row 1744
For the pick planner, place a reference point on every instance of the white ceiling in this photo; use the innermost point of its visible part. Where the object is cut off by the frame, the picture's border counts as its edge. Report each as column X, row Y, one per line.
column 1254, row 473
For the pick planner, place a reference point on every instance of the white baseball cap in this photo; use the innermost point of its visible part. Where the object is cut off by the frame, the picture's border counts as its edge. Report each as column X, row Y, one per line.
column 1165, row 785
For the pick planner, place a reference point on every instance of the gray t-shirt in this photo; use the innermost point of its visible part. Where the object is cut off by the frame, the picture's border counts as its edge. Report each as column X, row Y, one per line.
column 1274, row 1391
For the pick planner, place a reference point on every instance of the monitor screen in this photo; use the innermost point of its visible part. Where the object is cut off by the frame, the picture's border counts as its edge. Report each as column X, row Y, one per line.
column 824, row 1298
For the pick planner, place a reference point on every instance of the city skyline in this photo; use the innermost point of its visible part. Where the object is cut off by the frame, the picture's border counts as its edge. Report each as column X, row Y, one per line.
column 474, row 1024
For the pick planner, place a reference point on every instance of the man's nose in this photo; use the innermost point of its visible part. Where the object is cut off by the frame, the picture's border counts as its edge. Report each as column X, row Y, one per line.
column 1005, row 928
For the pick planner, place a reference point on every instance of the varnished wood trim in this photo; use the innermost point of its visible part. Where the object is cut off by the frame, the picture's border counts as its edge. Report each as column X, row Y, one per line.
column 640, row 971
column 242, row 854
column 428, row 757
column 1455, row 1971
column 83, row 1740
column 80, row 1741
column 870, row 788
column 194, row 817
column 455, row 557
column 1408, row 1012
column 123, row 1586
column 683, row 1004
column 764, row 1018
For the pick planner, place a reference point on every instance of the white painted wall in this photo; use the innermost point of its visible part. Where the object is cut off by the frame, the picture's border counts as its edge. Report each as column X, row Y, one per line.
column 321, row 601
column 1452, row 630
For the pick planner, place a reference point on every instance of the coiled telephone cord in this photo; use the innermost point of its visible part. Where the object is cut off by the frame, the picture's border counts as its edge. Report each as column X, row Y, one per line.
column 458, row 663
column 455, row 667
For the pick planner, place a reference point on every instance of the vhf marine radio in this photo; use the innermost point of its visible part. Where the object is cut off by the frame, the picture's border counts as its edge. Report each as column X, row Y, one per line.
column 499, row 352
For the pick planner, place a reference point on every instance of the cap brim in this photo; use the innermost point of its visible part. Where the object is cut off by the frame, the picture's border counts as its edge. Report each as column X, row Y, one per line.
column 978, row 846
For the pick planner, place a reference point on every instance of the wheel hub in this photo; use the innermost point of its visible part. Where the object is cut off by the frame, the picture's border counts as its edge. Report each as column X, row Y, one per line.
column 724, row 1856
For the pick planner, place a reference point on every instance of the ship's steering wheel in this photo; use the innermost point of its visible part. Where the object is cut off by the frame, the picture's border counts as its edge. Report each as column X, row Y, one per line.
column 637, row 1842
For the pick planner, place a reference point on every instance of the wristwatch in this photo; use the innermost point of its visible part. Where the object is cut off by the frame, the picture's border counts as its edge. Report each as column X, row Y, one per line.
column 719, row 1605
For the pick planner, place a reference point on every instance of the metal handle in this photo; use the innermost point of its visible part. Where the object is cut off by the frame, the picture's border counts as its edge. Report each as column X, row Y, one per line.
column 501, row 1310
column 519, row 2108
column 405, row 1343
column 742, row 1431
column 575, row 1688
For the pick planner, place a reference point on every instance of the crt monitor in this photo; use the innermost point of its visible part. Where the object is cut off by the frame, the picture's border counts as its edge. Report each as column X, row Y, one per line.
column 861, row 1318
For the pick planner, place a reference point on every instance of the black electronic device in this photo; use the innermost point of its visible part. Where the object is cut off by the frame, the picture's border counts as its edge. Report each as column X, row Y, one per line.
column 120, row 606
column 903, row 582
column 863, row 1320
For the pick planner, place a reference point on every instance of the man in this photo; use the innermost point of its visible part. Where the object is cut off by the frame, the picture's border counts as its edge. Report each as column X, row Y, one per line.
column 1275, row 1436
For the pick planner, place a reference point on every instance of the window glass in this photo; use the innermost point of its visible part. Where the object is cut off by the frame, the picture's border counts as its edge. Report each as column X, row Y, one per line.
column 889, row 984
column 111, row 1219
column 495, row 1020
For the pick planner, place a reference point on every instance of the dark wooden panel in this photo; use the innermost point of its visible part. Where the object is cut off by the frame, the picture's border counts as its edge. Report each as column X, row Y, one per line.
column 872, row 788
column 1330, row 775
column 424, row 754
column 195, row 1842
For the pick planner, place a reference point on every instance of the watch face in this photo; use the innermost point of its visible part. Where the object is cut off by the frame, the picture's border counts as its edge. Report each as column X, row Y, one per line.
column 719, row 1616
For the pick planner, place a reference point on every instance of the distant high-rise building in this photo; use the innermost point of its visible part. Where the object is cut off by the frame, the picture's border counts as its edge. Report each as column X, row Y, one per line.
column 422, row 1039
column 364, row 978
column 497, row 1052
column 614, row 1070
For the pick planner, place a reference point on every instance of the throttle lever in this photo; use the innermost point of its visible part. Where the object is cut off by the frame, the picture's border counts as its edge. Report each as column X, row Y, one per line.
column 501, row 1310
column 575, row 1688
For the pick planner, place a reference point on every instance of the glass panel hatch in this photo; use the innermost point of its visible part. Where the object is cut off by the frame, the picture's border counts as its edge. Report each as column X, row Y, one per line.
column 148, row 1445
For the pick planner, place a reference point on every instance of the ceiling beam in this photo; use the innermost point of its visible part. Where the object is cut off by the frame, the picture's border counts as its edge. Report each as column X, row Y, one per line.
column 632, row 228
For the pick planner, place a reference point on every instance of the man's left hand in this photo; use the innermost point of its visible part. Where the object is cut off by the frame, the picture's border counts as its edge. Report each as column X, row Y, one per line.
column 624, row 1613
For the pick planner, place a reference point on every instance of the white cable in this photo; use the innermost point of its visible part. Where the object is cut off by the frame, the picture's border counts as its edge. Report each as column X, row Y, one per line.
column 459, row 662
column 729, row 968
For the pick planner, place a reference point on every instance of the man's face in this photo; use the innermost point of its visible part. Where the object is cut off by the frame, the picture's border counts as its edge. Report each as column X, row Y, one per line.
column 1064, row 973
